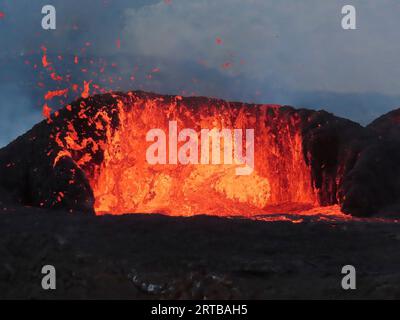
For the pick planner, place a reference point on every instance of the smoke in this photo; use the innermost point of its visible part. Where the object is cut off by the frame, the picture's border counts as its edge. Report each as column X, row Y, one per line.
column 299, row 45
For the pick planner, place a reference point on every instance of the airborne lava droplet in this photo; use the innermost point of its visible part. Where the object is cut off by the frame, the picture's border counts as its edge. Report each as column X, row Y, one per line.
column 55, row 77
column 45, row 62
column 47, row 112
column 57, row 93
column 227, row 65
column 86, row 89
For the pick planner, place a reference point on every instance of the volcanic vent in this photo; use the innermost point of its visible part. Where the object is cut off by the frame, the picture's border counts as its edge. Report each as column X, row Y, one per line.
column 91, row 156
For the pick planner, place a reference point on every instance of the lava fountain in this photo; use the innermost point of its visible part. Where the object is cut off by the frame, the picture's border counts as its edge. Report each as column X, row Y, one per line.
column 91, row 156
column 124, row 182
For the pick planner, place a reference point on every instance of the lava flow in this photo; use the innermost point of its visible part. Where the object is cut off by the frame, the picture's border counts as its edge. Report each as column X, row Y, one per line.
column 124, row 182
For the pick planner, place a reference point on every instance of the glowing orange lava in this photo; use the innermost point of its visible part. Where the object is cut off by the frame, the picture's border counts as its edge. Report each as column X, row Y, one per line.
column 124, row 182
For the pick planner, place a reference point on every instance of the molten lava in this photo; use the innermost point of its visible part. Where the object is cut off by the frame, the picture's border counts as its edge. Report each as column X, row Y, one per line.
column 124, row 182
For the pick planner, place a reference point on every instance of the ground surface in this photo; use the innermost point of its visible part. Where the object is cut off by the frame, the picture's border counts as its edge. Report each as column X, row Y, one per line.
column 151, row 257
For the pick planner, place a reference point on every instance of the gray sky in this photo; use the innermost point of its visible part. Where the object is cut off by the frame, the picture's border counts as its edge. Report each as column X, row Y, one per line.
column 286, row 52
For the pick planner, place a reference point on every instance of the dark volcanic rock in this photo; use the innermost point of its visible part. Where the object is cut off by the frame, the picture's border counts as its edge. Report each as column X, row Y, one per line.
column 353, row 166
column 388, row 125
column 29, row 178
column 158, row 257
column 382, row 161
column 362, row 161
